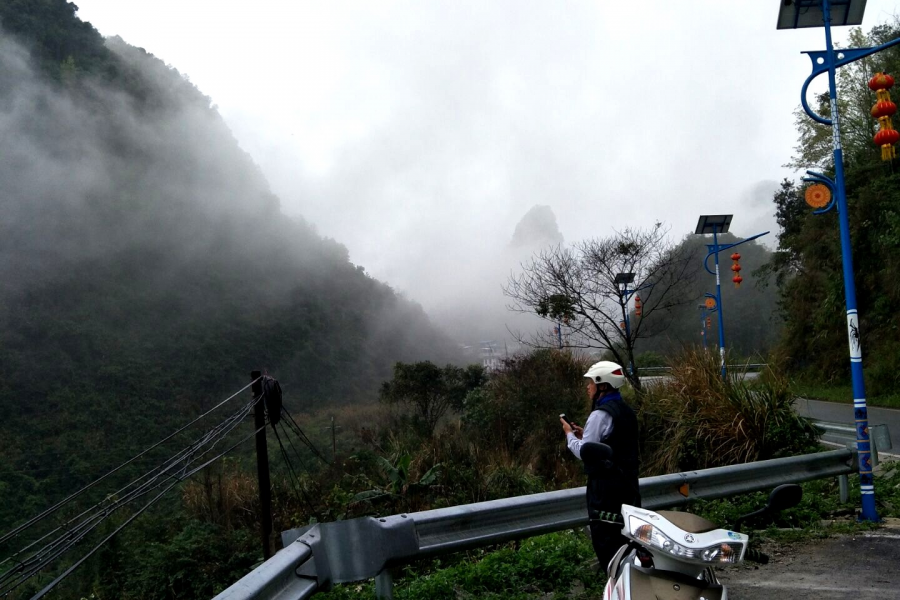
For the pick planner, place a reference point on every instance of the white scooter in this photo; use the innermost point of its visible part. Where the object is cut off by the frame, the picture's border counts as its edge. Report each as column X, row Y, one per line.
column 672, row 555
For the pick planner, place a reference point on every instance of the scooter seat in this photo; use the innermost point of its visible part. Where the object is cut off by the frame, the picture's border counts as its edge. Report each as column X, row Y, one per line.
column 687, row 522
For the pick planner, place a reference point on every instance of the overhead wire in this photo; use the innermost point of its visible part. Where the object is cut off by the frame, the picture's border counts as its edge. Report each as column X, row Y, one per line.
column 293, row 447
column 49, row 553
column 37, row 561
column 303, row 438
column 160, row 469
column 104, row 509
column 43, row 592
column 295, row 480
column 78, row 493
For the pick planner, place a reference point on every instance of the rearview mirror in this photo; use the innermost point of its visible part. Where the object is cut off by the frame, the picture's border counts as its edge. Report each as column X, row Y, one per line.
column 783, row 497
column 596, row 457
column 594, row 452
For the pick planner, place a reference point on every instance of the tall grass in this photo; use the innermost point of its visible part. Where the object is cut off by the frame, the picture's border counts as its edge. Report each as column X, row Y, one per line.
column 696, row 419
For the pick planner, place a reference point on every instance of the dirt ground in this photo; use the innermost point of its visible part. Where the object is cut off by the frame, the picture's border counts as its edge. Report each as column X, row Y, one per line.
column 862, row 566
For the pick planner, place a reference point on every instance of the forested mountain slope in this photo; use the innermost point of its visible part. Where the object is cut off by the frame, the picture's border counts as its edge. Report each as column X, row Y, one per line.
column 147, row 268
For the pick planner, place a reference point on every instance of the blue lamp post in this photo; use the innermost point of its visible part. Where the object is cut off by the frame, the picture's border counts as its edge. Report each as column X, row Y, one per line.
column 716, row 224
column 825, row 13
column 710, row 306
column 624, row 279
column 702, row 308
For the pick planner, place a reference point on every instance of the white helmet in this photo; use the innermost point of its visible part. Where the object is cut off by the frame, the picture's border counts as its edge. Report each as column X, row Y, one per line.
column 606, row 372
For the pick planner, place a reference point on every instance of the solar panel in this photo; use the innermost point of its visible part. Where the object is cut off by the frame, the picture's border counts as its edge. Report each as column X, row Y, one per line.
column 797, row 14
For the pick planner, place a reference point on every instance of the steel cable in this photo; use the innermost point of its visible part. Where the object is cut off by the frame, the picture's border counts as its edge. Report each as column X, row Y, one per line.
column 71, row 497
column 160, row 469
column 295, row 480
column 90, row 553
column 303, row 438
column 73, row 536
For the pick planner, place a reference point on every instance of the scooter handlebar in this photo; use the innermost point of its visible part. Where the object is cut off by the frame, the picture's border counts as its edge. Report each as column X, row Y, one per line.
column 607, row 517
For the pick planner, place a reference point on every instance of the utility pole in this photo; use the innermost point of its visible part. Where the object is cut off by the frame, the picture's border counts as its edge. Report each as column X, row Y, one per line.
column 262, row 465
column 333, row 429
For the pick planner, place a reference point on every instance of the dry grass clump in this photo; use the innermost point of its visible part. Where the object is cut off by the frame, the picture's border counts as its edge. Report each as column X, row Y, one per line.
column 697, row 420
column 221, row 495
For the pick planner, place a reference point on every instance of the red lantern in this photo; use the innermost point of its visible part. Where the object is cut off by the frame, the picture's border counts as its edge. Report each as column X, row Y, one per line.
column 883, row 109
column 737, row 279
column 881, row 81
column 709, row 322
column 638, row 307
column 886, row 136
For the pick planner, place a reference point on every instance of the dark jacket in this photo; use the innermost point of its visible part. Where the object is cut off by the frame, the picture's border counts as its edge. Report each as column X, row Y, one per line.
column 617, row 483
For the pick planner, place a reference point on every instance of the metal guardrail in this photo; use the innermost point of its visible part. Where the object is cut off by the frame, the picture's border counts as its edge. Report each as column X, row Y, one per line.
column 845, row 434
column 747, row 366
column 359, row 549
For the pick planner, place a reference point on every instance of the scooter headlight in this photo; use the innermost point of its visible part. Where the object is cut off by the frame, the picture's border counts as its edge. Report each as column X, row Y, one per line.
column 646, row 533
column 729, row 553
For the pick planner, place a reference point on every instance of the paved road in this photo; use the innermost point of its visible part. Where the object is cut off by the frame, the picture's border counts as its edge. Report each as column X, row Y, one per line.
column 829, row 569
column 843, row 413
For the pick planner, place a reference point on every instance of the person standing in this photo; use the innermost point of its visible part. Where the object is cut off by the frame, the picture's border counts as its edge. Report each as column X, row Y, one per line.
column 614, row 483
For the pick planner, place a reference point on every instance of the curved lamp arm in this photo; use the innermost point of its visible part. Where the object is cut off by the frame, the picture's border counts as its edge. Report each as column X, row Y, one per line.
column 812, row 115
column 844, row 57
column 728, row 247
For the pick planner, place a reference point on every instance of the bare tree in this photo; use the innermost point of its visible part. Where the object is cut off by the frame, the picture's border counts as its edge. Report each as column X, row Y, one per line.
column 576, row 289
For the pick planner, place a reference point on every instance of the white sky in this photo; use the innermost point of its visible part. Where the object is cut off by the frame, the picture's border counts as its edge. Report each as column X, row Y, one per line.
column 418, row 133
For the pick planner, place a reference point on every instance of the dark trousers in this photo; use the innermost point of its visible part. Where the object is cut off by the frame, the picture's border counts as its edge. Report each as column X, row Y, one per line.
column 607, row 494
column 606, row 539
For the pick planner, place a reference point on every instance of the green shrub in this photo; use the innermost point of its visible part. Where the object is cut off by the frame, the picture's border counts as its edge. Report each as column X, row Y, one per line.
column 516, row 413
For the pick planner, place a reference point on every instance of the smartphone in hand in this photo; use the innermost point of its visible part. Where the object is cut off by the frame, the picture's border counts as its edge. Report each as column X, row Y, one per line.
column 567, row 420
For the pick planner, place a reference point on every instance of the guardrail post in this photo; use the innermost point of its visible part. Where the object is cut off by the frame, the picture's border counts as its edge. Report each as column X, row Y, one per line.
column 384, row 585
column 844, row 487
column 882, row 436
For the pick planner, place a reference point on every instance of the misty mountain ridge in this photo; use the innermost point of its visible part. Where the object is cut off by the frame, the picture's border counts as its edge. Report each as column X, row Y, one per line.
column 147, row 264
column 537, row 229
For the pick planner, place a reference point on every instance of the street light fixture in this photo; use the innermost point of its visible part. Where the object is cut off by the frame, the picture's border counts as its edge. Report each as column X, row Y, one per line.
column 716, row 224
column 818, row 13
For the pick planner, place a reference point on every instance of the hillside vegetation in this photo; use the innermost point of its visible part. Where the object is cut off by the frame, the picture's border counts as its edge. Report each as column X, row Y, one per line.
column 147, row 267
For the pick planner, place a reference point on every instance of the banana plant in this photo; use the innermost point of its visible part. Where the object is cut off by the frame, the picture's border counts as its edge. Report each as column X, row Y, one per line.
column 396, row 483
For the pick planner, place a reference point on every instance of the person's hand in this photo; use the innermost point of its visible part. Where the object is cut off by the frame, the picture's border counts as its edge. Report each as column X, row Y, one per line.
column 566, row 427
column 578, row 431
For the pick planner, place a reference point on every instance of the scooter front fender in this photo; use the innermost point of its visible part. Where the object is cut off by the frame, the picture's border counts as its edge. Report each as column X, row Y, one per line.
column 638, row 583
